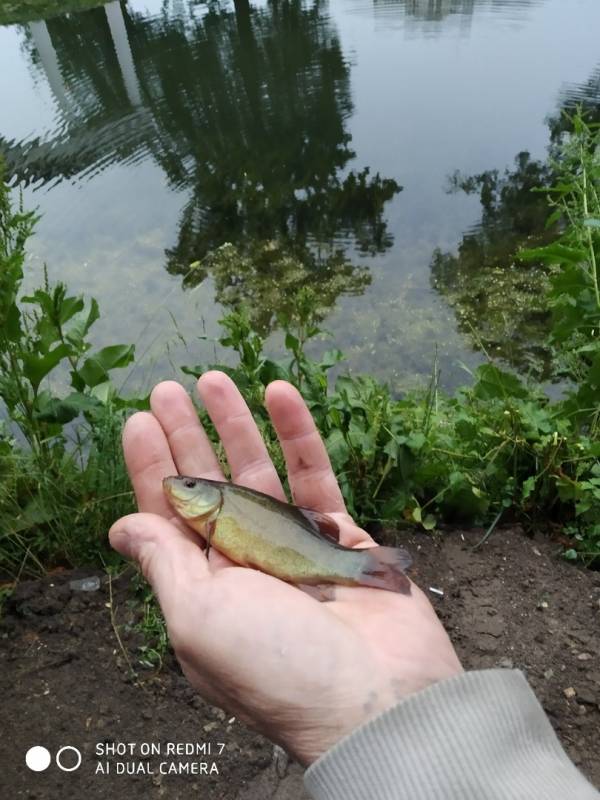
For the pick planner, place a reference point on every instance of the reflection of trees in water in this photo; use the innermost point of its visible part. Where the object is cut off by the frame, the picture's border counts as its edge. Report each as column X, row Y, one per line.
column 426, row 17
column 245, row 108
column 261, row 138
column 268, row 278
column 436, row 16
column 12, row 13
column 585, row 95
column 499, row 300
column 438, row 9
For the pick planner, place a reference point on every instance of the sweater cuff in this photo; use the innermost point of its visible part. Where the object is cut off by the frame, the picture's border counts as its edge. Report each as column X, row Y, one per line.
column 478, row 736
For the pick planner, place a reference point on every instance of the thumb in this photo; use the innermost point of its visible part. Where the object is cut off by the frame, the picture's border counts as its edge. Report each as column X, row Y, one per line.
column 165, row 554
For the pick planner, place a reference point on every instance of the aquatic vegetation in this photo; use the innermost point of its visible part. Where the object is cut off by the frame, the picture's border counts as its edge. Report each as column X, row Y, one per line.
column 267, row 278
column 500, row 303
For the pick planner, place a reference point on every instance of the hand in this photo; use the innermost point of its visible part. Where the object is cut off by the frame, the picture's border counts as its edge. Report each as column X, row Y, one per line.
column 303, row 672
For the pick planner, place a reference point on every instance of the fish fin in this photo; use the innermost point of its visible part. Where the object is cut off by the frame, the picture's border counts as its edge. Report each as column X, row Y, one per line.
column 322, row 523
column 384, row 569
column 323, row 592
column 210, row 529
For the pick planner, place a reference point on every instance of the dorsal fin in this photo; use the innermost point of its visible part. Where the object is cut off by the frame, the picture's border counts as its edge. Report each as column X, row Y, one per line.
column 321, row 523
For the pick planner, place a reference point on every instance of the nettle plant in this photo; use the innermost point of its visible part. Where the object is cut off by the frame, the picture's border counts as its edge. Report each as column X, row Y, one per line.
column 59, row 446
column 46, row 334
column 574, row 300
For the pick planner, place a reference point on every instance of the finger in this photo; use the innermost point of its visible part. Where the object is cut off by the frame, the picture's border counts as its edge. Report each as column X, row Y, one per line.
column 246, row 452
column 148, row 459
column 311, row 477
column 350, row 534
column 168, row 556
column 190, row 447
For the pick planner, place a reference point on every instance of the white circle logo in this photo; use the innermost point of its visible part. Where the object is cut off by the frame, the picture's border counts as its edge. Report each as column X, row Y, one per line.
column 77, row 756
column 37, row 758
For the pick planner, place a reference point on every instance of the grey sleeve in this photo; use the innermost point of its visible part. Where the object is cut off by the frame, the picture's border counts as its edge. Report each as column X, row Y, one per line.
column 478, row 736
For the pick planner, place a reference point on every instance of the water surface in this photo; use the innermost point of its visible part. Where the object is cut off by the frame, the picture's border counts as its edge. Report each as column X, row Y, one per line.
column 316, row 138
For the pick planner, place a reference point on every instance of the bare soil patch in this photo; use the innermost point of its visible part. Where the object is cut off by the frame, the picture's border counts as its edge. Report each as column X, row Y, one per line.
column 513, row 603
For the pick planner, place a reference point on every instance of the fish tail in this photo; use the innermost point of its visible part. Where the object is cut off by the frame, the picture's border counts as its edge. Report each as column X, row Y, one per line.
column 384, row 569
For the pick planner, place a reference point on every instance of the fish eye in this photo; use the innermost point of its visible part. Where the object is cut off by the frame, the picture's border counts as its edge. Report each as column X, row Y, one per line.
column 189, row 483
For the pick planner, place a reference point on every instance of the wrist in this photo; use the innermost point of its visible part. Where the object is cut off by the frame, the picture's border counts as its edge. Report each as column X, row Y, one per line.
column 337, row 723
column 480, row 734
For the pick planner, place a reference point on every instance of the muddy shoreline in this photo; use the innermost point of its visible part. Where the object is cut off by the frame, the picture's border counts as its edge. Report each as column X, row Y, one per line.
column 513, row 603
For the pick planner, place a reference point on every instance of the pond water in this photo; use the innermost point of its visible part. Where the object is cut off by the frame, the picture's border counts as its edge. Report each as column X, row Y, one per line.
column 316, row 138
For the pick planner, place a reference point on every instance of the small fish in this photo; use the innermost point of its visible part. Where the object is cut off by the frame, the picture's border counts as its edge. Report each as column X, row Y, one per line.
column 292, row 543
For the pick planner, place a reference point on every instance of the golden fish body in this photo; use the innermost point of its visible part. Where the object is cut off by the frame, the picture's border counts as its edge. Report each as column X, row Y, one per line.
column 291, row 543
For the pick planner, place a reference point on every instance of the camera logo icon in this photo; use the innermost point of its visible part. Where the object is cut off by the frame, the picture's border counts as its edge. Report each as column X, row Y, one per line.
column 68, row 758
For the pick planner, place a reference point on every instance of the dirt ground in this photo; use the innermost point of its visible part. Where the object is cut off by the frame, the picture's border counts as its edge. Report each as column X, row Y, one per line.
column 513, row 603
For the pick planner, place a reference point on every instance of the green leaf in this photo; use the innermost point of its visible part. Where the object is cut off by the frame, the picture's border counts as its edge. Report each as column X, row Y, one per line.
column 195, row 372
column 95, row 369
column 338, row 449
column 553, row 218
column 571, row 281
column 488, row 431
column 457, row 479
column 347, row 387
column 35, row 368
column 69, row 307
column 528, row 487
column 429, row 522
column 466, row 429
column 81, row 325
column 593, row 375
column 291, row 343
column 568, row 489
column 330, row 358
column 42, row 299
column 391, row 449
column 537, row 419
column 416, row 440
column 272, row 371
column 53, row 409
column 13, row 323
column 335, row 415
column 360, row 440
column 129, row 403
column 494, row 383
column 103, row 392
column 48, row 334
column 555, row 253
column 33, row 515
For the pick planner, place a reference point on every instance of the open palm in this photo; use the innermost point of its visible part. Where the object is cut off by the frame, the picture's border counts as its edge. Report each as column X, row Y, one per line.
column 301, row 671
